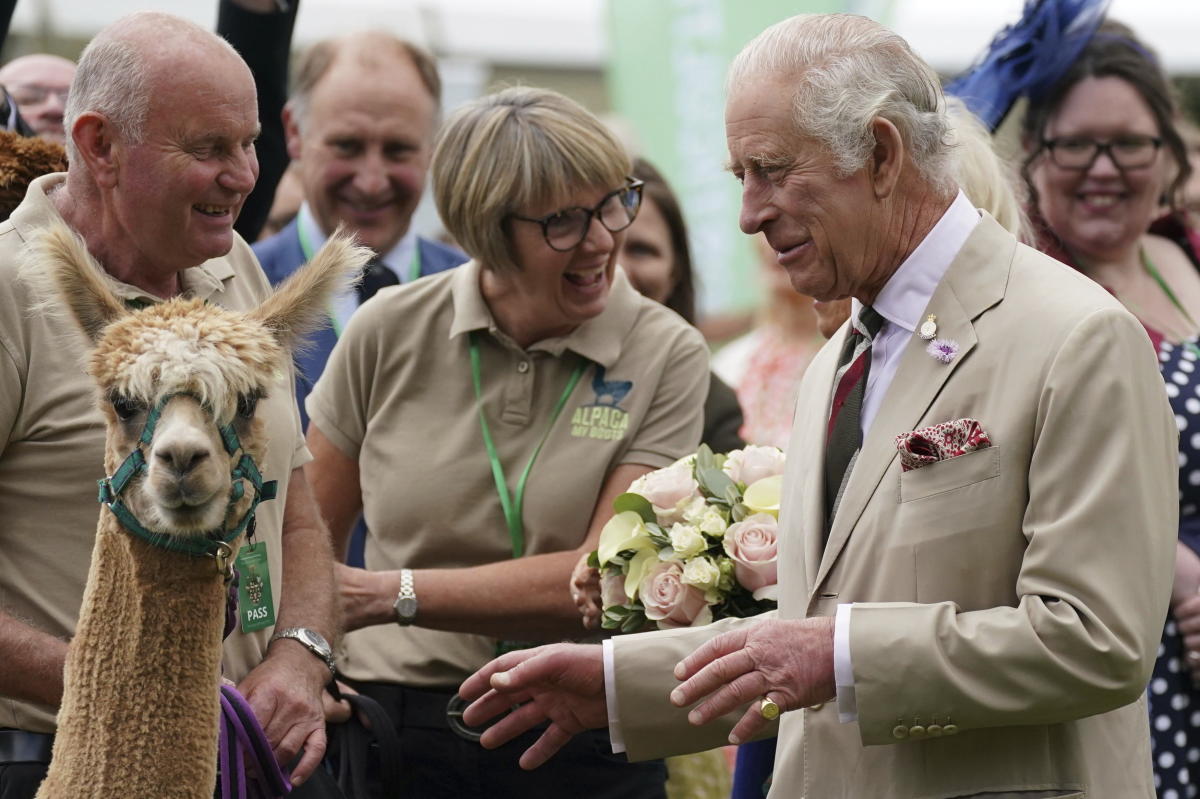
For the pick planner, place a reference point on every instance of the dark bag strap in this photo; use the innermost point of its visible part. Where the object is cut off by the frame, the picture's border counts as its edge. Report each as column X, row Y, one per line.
column 350, row 745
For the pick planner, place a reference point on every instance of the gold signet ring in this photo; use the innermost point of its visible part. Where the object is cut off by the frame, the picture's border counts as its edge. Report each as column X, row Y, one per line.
column 768, row 709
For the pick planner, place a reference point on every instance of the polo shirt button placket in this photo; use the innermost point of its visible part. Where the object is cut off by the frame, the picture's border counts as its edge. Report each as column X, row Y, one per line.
column 523, row 367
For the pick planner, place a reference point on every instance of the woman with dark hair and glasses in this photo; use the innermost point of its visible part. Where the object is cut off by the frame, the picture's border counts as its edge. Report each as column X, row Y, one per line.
column 483, row 421
column 1104, row 158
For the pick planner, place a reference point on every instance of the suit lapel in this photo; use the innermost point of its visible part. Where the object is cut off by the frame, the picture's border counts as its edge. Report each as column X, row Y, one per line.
column 973, row 283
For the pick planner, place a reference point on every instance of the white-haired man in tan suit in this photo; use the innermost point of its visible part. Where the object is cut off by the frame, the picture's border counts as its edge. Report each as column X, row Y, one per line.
column 976, row 616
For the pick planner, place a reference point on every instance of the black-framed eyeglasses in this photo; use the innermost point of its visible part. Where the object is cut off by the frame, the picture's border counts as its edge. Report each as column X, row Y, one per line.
column 566, row 228
column 33, row 93
column 1080, row 152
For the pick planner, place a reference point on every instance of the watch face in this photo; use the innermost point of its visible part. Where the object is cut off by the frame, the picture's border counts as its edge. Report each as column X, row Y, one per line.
column 314, row 638
column 406, row 608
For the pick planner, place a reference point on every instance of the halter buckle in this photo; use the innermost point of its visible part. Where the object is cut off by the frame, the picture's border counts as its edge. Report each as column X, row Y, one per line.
column 224, row 558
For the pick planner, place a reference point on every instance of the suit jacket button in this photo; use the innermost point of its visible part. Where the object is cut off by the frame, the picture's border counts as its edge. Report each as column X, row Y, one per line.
column 899, row 732
column 916, row 731
column 933, row 730
column 950, row 729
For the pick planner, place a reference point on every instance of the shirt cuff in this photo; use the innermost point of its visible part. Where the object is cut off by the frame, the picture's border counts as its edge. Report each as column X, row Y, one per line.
column 610, row 699
column 843, row 668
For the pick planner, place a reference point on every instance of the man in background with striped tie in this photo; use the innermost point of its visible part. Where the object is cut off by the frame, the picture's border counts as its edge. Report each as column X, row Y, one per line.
column 979, row 507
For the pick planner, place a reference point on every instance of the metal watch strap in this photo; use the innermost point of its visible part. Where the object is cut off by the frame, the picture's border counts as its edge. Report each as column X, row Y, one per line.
column 406, row 601
column 299, row 635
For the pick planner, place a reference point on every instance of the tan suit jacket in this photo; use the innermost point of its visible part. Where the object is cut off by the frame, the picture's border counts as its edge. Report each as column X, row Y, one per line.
column 1016, row 593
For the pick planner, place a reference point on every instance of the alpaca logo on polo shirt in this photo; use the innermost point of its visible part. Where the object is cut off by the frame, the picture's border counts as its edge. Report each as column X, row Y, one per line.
column 603, row 419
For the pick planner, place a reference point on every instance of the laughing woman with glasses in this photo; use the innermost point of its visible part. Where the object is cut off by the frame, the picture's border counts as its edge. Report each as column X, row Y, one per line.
column 1104, row 159
column 483, row 421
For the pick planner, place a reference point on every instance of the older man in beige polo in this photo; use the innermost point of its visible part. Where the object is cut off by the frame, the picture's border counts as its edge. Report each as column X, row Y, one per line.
column 163, row 118
column 976, row 622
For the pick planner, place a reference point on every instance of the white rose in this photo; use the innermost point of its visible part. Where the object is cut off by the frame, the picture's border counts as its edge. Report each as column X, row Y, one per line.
column 751, row 464
column 687, row 541
column 702, row 573
column 713, row 522
column 667, row 488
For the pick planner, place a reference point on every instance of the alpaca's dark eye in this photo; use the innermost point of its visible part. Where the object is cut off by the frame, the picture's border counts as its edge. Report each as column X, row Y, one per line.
column 247, row 404
column 125, row 407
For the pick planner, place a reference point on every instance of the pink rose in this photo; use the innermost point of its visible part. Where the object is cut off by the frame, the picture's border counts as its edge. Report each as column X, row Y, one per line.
column 753, row 545
column 612, row 588
column 668, row 489
column 671, row 602
column 751, row 464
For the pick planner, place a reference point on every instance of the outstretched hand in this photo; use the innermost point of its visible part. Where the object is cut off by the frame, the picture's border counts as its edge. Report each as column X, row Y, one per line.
column 560, row 683
column 789, row 661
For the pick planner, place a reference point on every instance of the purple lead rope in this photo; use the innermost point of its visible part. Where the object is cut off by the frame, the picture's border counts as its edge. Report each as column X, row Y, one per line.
column 244, row 753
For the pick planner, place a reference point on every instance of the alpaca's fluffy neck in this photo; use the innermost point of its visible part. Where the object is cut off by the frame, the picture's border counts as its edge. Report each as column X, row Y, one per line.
column 140, row 706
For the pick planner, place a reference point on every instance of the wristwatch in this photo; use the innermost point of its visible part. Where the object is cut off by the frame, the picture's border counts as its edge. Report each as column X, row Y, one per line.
column 312, row 640
column 406, row 601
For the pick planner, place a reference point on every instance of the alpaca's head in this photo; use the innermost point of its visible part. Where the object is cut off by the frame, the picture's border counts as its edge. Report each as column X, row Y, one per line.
column 176, row 379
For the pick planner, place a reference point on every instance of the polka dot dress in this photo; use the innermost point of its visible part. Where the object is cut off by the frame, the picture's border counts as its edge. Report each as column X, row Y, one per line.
column 1174, row 700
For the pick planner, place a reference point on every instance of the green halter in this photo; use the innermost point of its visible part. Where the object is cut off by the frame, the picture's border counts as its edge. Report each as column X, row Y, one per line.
column 215, row 543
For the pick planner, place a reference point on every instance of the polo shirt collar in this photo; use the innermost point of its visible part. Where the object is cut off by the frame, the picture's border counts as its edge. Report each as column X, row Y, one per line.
column 598, row 339
column 36, row 211
column 907, row 293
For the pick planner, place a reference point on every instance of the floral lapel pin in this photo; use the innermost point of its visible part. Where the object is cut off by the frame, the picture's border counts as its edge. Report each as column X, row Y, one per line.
column 943, row 350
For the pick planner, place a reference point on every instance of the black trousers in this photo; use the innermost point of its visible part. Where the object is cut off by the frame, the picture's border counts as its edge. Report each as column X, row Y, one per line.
column 437, row 763
column 21, row 780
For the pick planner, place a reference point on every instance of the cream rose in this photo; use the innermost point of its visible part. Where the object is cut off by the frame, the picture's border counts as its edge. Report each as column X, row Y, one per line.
column 751, row 464
column 671, row 602
column 705, row 575
column 670, row 491
column 713, row 522
column 687, row 541
column 753, row 544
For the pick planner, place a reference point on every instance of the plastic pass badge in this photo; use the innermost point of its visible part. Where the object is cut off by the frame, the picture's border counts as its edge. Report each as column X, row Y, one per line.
column 254, row 588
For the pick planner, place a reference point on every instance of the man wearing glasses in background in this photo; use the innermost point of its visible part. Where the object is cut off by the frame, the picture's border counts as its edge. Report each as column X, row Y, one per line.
column 38, row 85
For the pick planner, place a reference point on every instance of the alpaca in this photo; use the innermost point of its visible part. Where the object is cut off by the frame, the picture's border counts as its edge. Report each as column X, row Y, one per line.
column 178, row 383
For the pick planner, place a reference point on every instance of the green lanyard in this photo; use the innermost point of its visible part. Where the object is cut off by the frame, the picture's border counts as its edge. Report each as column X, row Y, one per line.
column 1162, row 284
column 414, row 268
column 512, row 505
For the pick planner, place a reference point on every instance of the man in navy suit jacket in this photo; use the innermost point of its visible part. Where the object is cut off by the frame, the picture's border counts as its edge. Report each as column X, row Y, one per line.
column 359, row 128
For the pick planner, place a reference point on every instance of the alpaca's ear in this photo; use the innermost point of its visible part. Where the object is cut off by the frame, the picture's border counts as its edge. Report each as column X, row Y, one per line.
column 60, row 263
column 301, row 305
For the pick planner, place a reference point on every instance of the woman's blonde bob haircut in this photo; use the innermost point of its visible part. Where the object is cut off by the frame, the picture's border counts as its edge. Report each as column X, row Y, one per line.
column 517, row 151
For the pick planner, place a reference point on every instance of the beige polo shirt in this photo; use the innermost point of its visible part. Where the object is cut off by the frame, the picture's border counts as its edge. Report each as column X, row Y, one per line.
column 52, row 439
column 397, row 395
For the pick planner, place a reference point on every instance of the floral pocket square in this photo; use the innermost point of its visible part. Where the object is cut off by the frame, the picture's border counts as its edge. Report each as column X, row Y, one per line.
column 940, row 442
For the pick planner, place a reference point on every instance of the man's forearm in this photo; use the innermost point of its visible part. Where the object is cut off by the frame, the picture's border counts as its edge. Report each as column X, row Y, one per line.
column 33, row 663
column 307, row 595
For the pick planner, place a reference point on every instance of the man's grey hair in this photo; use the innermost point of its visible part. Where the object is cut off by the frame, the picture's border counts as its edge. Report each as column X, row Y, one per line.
column 113, row 76
column 846, row 71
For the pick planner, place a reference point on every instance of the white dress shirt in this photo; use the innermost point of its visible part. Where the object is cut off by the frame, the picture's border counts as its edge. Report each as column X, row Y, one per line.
column 398, row 260
column 901, row 303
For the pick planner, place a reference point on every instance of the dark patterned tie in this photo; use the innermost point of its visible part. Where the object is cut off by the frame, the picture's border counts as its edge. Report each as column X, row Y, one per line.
column 844, row 434
column 375, row 277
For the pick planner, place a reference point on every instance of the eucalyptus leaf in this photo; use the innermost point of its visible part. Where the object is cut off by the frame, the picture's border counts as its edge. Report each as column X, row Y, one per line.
column 593, row 560
column 739, row 512
column 636, row 503
column 704, row 458
column 635, row 621
column 714, row 482
column 732, row 494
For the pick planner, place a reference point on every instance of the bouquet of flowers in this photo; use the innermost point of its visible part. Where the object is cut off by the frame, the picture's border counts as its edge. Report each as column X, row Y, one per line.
column 693, row 542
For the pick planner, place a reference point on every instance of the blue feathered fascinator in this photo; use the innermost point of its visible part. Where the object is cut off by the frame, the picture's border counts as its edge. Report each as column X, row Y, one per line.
column 1029, row 57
